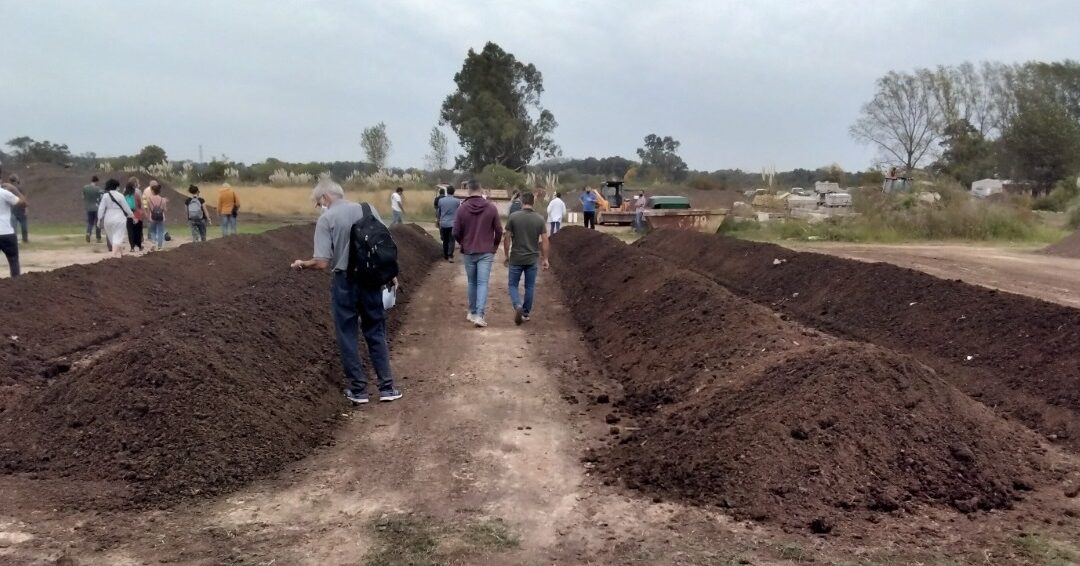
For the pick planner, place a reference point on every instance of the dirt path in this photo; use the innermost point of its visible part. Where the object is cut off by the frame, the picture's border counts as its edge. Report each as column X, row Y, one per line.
column 1016, row 270
column 480, row 463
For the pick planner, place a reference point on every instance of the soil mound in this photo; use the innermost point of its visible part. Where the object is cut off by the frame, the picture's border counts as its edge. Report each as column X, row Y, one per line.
column 209, row 392
column 54, row 192
column 1014, row 353
column 735, row 406
column 1069, row 246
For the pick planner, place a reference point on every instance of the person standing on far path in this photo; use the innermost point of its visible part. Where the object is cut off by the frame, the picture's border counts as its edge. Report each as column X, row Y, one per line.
column 478, row 230
column 113, row 215
column 9, row 242
column 396, row 208
column 18, row 212
column 156, row 206
column 228, row 208
column 435, row 203
column 526, row 242
column 196, row 214
column 91, row 195
column 446, row 209
column 639, row 212
column 556, row 211
column 515, row 203
column 588, row 207
column 349, row 300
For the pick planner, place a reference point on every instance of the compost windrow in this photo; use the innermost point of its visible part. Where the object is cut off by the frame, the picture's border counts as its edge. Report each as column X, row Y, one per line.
column 226, row 382
column 728, row 404
column 1014, row 353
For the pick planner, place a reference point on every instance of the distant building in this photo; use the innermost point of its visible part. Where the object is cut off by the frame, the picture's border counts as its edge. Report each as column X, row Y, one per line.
column 986, row 187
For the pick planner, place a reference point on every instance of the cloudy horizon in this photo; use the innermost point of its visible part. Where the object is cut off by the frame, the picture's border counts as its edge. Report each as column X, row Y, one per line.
column 739, row 86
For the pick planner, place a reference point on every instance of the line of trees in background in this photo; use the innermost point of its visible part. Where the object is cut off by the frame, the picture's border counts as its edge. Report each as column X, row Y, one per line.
column 1018, row 121
column 660, row 165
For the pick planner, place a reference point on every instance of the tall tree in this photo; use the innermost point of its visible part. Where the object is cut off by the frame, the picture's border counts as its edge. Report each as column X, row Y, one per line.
column 376, row 145
column 966, row 154
column 496, row 113
column 902, row 120
column 660, row 154
column 1042, row 143
column 150, row 155
column 440, row 150
column 28, row 150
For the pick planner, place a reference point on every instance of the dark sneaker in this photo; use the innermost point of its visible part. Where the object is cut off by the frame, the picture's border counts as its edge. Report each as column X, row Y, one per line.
column 519, row 316
column 88, row 238
column 391, row 395
column 355, row 398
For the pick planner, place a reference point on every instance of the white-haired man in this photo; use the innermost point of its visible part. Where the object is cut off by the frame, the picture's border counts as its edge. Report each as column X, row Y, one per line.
column 348, row 300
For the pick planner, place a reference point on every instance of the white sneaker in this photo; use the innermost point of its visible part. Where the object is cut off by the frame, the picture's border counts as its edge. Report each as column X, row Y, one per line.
column 479, row 322
column 470, row 317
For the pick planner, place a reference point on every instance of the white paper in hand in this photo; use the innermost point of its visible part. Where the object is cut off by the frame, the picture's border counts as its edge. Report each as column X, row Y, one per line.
column 389, row 297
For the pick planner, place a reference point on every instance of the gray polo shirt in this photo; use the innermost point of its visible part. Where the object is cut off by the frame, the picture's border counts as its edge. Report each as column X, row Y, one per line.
column 334, row 230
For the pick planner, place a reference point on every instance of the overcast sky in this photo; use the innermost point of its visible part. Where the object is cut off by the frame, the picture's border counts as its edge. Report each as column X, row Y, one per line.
column 739, row 83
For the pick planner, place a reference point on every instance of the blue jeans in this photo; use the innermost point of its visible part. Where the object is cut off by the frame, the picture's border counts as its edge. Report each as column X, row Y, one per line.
column 18, row 217
column 478, row 271
column 397, row 218
column 92, row 225
column 228, row 225
column 349, row 302
column 554, row 227
column 157, row 234
column 530, row 285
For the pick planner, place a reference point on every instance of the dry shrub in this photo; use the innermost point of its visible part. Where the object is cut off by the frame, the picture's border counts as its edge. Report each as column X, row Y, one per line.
column 266, row 200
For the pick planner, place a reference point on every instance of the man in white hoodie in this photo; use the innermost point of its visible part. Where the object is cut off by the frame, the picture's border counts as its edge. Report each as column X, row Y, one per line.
column 556, row 211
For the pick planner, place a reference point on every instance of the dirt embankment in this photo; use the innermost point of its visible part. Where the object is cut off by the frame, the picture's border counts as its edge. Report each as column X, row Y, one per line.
column 183, row 373
column 732, row 405
column 1016, row 354
column 54, row 192
column 1069, row 246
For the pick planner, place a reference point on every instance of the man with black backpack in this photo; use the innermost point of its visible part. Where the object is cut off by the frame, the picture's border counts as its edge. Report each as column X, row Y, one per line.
column 352, row 241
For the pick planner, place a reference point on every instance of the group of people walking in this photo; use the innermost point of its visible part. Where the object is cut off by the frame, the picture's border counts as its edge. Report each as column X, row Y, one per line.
column 124, row 215
column 473, row 224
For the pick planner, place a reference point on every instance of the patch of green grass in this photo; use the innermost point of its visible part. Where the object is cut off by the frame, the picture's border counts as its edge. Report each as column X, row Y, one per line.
column 251, row 227
column 404, row 540
column 411, row 540
column 795, row 553
column 65, row 236
column 492, row 533
column 1045, row 551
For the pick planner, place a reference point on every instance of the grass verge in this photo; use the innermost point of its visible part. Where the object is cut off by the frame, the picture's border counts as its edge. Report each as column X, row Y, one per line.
column 886, row 218
column 414, row 540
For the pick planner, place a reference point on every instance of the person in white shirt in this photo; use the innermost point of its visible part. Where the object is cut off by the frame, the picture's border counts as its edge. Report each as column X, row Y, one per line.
column 113, row 214
column 556, row 211
column 395, row 207
column 9, row 242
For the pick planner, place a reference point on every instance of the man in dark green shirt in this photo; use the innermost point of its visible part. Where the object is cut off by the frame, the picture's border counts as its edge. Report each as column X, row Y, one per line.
column 525, row 241
column 91, row 195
